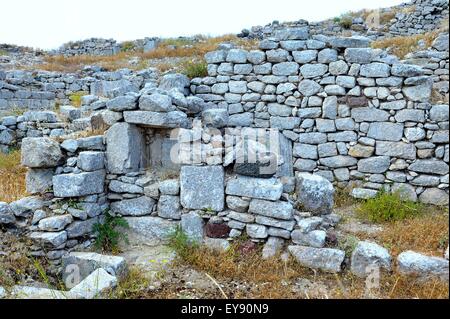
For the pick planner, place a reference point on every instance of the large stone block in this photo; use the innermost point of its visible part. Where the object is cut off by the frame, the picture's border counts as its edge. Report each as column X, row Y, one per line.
column 412, row 263
column 326, row 259
column 268, row 189
column 171, row 119
column 149, row 230
column 374, row 165
column 169, row 207
column 431, row 166
column 386, row 131
column 40, row 152
column 124, row 148
column 39, row 180
column 91, row 161
column 366, row 255
column 95, row 285
column 192, row 225
column 87, row 262
column 421, row 92
column 280, row 210
column 202, row 187
column 140, row 206
column 315, row 193
column 396, row 149
column 6, row 214
column 375, row 70
column 76, row 185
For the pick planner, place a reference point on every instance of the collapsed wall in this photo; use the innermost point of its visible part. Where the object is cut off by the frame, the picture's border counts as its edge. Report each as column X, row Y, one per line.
column 423, row 16
column 93, row 46
column 105, row 47
column 410, row 18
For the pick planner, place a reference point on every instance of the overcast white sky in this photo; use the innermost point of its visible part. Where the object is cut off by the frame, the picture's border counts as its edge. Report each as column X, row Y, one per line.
column 49, row 23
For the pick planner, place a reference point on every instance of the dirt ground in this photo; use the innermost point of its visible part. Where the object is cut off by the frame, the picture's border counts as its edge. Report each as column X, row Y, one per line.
column 157, row 273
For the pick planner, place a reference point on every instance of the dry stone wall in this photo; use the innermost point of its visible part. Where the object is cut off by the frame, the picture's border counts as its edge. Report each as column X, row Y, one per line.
column 93, row 46
column 336, row 110
column 410, row 18
column 352, row 113
column 69, row 181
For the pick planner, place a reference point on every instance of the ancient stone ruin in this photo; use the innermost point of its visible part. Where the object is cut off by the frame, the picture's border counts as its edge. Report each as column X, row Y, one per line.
column 256, row 148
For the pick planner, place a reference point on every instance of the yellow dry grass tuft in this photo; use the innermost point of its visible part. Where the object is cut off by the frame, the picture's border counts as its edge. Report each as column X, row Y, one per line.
column 343, row 198
column 401, row 46
column 427, row 233
column 12, row 177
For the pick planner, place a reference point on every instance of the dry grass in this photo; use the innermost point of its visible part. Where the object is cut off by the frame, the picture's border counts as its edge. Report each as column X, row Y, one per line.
column 385, row 16
column 60, row 63
column 401, row 46
column 17, row 266
column 427, row 233
column 343, row 198
column 236, row 273
column 167, row 49
column 269, row 279
column 12, row 177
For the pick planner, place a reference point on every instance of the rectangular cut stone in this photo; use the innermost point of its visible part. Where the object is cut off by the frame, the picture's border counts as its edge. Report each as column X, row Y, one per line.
column 326, row 259
column 172, row 119
column 202, row 187
column 149, row 229
column 285, row 151
column 386, row 131
column 75, row 185
column 261, row 188
column 272, row 222
column 280, row 210
column 396, row 149
column 124, row 148
column 87, row 262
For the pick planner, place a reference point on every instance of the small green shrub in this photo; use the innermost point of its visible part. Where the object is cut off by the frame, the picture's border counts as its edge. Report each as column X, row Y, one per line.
column 128, row 46
column 195, row 69
column 108, row 234
column 181, row 244
column 346, row 22
column 75, row 98
column 388, row 207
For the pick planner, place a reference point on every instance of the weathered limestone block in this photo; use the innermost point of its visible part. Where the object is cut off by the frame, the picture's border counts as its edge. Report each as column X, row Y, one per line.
column 76, row 185
column 412, row 263
column 171, row 119
column 149, row 230
column 315, row 193
column 87, row 262
column 40, row 152
column 366, row 255
column 96, row 284
column 268, row 189
column 140, row 206
column 202, row 187
column 192, row 225
column 279, row 210
column 39, row 180
column 326, row 259
column 124, row 148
